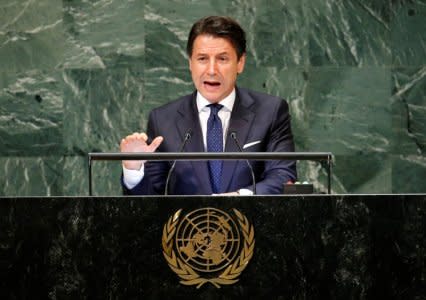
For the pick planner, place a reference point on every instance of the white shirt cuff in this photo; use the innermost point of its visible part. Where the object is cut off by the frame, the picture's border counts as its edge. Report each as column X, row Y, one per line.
column 245, row 192
column 131, row 178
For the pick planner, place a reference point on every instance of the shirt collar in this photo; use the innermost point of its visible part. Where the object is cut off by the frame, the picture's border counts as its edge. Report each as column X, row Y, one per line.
column 227, row 102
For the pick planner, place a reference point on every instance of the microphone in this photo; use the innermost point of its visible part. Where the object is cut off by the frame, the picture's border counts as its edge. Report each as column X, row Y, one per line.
column 234, row 137
column 185, row 140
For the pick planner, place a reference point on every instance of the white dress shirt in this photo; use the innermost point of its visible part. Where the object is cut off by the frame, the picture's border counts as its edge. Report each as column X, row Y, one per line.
column 224, row 115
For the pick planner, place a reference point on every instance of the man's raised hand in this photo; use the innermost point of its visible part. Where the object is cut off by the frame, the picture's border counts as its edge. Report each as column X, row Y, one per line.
column 137, row 142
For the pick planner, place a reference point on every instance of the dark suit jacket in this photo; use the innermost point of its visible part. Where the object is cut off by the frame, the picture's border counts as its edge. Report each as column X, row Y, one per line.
column 255, row 117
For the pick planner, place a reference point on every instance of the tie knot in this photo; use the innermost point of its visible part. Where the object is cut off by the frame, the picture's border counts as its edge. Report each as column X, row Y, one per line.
column 214, row 108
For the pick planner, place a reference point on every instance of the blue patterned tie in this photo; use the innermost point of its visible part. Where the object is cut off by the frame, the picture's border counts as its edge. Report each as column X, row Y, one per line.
column 215, row 144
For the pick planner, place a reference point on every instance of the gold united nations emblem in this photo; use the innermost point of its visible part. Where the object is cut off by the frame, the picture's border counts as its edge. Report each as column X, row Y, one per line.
column 208, row 245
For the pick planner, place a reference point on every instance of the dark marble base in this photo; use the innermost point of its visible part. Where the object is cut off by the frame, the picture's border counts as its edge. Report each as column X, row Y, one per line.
column 307, row 247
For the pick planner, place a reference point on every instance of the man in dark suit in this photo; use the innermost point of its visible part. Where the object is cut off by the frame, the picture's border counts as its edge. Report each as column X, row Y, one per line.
column 260, row 122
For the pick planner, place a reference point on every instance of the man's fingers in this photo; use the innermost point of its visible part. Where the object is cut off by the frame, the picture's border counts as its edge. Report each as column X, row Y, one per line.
column 124, row 143
column 141, row 136
column 137, row 142
column 136, row 137
column 144, row 136
column 155, row 143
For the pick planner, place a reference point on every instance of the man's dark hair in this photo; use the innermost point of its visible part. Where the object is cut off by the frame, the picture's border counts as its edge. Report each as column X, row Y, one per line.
column 223, row 27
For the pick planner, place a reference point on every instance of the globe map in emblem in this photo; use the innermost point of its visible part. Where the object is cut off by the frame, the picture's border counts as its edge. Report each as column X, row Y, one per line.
column 208, row 239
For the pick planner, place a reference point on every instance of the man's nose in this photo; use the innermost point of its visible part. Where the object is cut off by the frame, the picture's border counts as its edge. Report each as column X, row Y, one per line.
column 212, row 67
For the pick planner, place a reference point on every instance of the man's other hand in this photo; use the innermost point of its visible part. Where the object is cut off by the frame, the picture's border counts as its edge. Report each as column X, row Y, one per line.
column 227, row 194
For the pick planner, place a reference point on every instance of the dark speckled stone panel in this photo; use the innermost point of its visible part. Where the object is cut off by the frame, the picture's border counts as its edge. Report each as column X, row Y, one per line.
column 307, row 247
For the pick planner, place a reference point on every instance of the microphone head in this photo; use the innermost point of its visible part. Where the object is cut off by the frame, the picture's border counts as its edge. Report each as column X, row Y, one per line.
column 188, row 134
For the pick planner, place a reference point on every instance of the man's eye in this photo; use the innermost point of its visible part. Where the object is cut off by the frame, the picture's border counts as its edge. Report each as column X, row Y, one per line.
column 201, row 59
column 223, row 58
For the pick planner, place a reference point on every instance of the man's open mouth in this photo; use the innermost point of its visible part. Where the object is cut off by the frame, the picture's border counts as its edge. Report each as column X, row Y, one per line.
column 212, row 83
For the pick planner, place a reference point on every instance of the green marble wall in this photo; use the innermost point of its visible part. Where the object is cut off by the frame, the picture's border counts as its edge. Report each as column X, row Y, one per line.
column 76, row 76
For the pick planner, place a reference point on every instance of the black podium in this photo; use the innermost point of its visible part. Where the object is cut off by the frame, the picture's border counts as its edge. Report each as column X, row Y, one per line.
column 305, row 247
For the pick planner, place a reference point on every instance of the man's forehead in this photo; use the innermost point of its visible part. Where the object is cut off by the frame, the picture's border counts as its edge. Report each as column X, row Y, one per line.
column 208, row 43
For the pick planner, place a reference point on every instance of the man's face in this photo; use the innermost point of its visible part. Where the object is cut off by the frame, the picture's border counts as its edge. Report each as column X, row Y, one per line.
column 214, row 67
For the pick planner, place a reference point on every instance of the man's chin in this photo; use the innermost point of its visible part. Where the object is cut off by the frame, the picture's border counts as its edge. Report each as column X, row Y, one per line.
column 212, row 97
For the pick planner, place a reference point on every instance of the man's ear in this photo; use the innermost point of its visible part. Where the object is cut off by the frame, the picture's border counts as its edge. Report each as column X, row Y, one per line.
column 241, row 63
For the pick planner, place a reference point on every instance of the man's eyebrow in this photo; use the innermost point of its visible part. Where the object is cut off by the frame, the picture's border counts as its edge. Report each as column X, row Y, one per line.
column 206, row 54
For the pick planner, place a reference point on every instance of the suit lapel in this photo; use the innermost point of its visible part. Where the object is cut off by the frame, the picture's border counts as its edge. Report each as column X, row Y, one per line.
column 189, row 119
column 241, row 121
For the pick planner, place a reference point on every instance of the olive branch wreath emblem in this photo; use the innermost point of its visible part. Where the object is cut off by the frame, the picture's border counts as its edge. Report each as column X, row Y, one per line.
column 187, row 274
